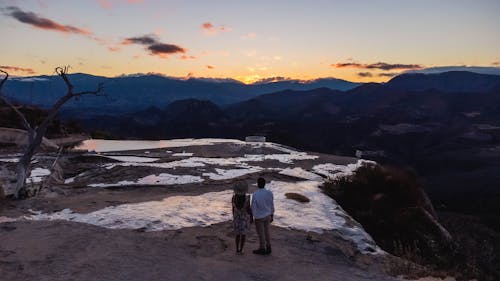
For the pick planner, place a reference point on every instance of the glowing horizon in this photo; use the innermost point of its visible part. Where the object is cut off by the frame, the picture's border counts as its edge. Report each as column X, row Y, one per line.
column 359, row 41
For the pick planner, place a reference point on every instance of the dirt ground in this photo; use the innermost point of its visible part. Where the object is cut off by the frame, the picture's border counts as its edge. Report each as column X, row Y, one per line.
column 59, row 250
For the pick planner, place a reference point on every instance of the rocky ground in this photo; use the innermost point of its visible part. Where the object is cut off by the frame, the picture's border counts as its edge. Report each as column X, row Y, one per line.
column 163, row 213
column 59, row 250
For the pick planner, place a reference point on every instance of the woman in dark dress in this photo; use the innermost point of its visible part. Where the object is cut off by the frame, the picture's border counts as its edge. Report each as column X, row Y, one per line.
column 242, row 214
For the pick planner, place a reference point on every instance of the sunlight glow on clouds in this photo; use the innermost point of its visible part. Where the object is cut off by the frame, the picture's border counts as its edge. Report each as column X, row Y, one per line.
column 17, row 69
column 249, row 40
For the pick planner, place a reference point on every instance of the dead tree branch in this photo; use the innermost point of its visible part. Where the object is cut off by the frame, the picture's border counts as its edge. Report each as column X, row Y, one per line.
column 21, row 116
column 36, row 135
column 62, row 71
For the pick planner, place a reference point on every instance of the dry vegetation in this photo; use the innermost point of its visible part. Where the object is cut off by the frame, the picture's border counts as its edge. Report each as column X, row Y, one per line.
column 392, row 206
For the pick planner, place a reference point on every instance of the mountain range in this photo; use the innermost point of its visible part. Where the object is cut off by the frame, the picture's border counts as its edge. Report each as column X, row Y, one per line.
column 410, row 98
column 137, row 92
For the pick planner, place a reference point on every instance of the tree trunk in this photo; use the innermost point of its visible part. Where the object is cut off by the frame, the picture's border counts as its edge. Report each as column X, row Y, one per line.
column 445, row 235
column 22, row 174
column 23, row 167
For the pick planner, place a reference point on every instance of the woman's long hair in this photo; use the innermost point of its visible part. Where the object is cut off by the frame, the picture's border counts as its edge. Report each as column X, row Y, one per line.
column 239, row 201
column 240, row 190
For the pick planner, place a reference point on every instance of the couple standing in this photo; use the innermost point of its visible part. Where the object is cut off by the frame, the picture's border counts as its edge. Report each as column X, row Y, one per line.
column 261, row 208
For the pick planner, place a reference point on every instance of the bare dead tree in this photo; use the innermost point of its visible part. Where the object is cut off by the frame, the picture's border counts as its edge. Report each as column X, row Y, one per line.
column 36, row 134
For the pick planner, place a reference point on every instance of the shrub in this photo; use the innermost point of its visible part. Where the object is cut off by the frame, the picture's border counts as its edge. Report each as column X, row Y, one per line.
column 393, row 208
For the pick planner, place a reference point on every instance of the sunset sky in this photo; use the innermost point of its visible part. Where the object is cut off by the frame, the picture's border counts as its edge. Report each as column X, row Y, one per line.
column 248, row 40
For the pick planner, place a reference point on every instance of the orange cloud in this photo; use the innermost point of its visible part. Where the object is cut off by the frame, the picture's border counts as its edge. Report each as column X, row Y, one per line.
column 44, row 23
column 17, row 69
column 210, row 66
column 186, row 57
column 207, row 25
column 210, row 29
column 114, row 49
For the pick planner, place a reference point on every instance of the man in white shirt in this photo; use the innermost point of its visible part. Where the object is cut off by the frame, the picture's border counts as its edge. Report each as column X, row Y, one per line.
column 263, row 212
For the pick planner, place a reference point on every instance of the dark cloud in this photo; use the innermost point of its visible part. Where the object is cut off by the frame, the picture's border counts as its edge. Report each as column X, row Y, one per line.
column 388, row 66
column 273, row 79
column 495, row 63
column 378, row 65
column 347, row 64
column 161, row 48
column 43, row 23
column 155, row 47
column 387, row 74
column 40, row 22
column 365, row 74
column 142, row 40
column 210, row 66
column 17, row 69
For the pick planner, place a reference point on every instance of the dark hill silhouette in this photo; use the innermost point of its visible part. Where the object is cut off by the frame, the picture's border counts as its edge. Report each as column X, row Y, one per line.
column 283, row 104
column 193, row 109
column 192, row 117
column 34, row 115
column 453, row 81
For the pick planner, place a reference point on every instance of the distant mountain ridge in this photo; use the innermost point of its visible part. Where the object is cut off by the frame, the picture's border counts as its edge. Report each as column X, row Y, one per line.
column 136, row 92
column 409, row 98
column 452, row 81
column 132, row 93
